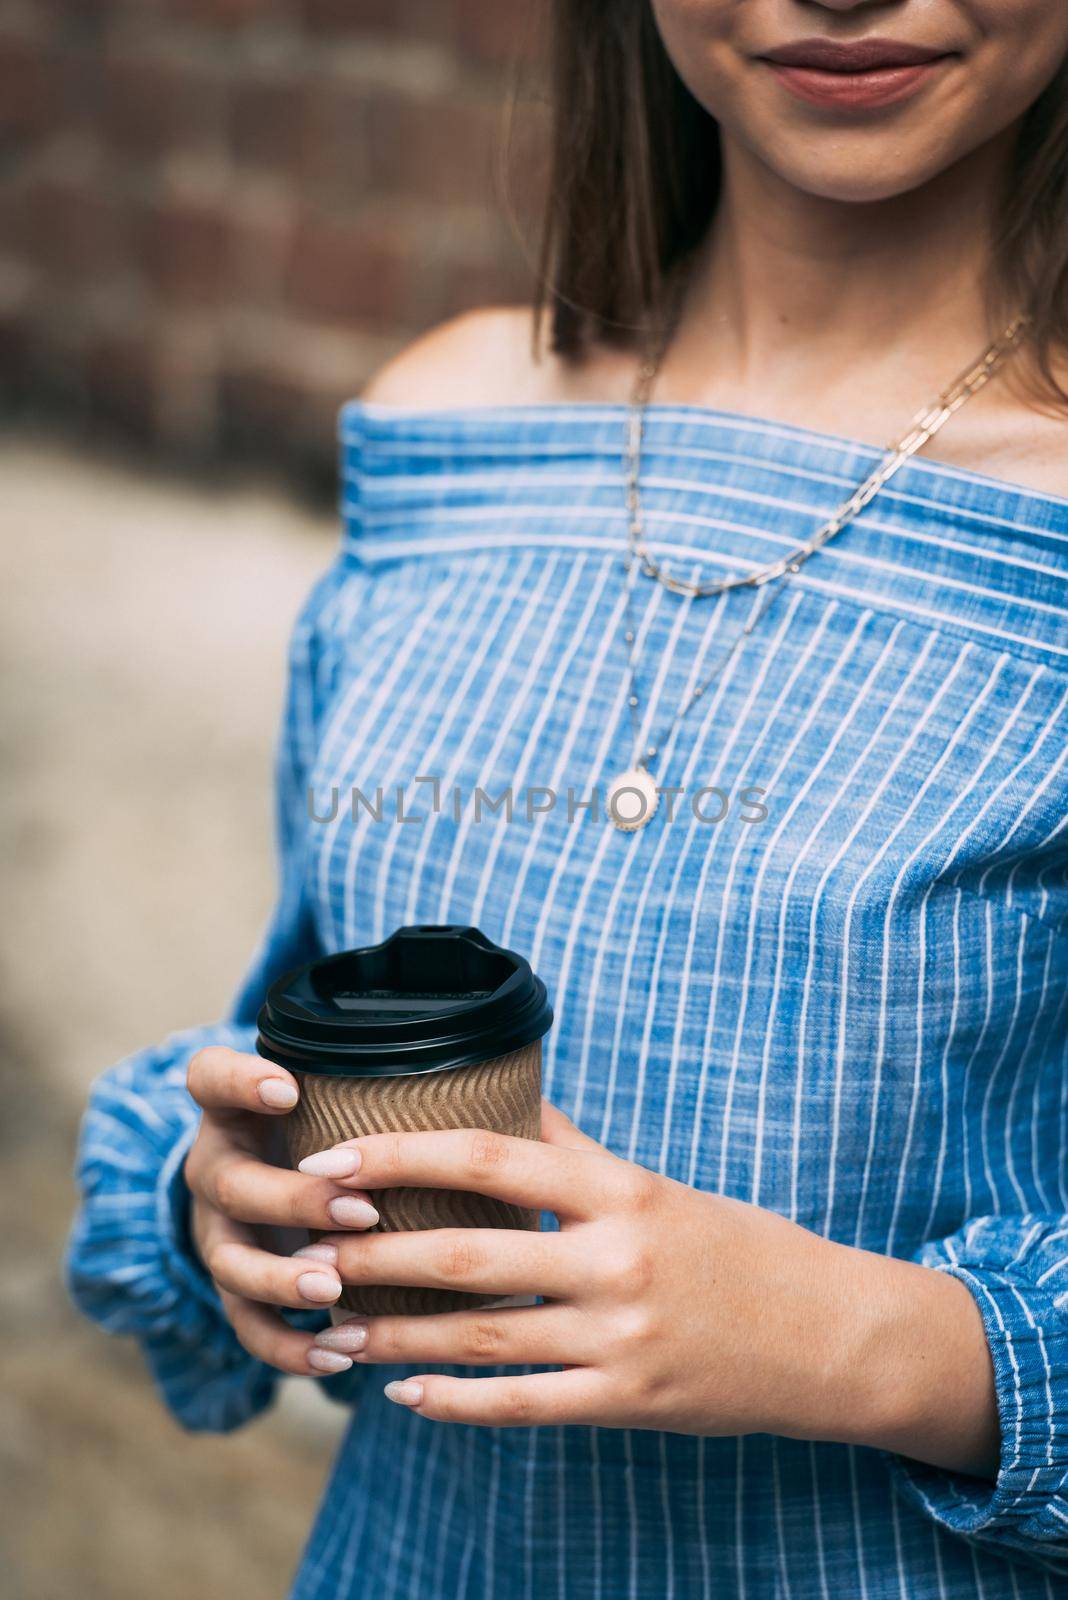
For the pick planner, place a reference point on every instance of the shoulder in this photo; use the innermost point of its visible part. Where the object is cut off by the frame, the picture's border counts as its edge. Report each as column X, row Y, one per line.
column 1008, row 437
column 489, row 357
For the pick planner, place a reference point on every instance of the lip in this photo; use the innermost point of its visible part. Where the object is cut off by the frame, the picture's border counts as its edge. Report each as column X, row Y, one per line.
column 865, row 73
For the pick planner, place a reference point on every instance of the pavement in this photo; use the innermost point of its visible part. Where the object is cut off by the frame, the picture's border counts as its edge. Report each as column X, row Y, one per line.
column 143, row 623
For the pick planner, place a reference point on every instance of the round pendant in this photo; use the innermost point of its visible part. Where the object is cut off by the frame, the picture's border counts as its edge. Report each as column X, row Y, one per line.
column 632, row 799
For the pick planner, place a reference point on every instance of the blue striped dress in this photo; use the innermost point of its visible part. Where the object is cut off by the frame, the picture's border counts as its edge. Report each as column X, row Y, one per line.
column 852, row 1010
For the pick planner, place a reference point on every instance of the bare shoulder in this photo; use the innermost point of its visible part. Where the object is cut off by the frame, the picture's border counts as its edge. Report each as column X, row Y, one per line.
column 486, row 357
column 1012, row 434
column 1042, row 459
column 1033, row 449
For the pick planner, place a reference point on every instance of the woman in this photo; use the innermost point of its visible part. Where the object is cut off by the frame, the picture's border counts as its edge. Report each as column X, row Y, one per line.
column 804, row 1327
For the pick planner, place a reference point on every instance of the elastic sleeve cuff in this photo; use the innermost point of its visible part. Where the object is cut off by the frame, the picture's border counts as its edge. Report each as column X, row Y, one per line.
column 1030, row 1365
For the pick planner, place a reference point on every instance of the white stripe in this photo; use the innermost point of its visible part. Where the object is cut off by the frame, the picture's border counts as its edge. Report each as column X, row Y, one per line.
column 335, row 763
column 915, row 670
column 515, row 480
column 706, row 416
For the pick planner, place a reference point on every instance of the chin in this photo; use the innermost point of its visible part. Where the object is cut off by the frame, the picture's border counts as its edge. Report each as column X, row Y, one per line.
column 856, row 176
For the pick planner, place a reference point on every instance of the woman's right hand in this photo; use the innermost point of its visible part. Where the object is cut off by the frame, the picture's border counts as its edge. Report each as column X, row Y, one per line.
column 237, row 1190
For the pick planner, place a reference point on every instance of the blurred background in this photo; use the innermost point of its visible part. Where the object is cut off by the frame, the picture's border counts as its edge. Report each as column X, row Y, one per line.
column 217, row 217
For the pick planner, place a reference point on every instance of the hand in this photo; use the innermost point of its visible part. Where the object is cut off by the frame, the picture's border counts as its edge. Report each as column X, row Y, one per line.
column 665, row 1306
column 239, row 1196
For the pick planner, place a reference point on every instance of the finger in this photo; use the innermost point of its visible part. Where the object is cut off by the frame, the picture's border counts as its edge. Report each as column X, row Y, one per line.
column 222, row 1080
column 539, row 1336
column 478, row 1260
column 264, row 1335
column 528, row 1401
column 248, row 1190
column 255, row 1274
column 558, row 1129
column 236, row 1260
column 572, row 1183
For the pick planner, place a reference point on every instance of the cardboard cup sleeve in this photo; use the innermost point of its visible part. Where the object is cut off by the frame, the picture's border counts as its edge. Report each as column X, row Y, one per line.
column 503, row 1095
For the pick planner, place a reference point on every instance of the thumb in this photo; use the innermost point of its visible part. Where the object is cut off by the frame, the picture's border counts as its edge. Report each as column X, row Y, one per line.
column 556, row 1128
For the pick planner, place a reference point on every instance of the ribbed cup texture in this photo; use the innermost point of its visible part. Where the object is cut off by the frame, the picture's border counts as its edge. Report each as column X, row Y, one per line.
column 503, row 1095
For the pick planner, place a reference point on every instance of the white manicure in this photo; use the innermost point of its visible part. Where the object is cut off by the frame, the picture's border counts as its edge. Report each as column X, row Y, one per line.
column 319, row 1286
column 349, row 1212
column 278, row 1095
column 331, row 1164
column 347, row 1336
column 407, row 1393
column 318, row 1252
column 328, row 1360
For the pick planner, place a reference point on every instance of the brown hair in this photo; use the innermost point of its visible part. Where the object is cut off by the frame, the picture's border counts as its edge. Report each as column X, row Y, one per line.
column 634, row 177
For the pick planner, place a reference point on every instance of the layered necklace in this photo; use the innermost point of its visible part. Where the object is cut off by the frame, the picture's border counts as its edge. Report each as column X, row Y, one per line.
column 633, row 796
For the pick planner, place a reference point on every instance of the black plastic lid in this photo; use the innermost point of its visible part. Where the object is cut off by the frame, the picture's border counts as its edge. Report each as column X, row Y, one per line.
column 426, row 999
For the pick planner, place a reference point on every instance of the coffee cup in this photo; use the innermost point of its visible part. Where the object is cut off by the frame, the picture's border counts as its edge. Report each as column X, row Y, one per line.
column 437, row 1027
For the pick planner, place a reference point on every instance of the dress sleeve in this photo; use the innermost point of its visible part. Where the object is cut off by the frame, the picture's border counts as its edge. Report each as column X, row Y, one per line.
column 1017, row 1269
column 130, row 1264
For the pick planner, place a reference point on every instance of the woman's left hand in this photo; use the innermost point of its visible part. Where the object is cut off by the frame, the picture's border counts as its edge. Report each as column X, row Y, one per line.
column 666, row 1307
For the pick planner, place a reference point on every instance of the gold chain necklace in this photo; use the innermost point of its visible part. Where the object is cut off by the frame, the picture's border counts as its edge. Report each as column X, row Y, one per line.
column 633, row 796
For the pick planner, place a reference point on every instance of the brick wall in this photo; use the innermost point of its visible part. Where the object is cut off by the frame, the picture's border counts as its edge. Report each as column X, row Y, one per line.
column 218, row 216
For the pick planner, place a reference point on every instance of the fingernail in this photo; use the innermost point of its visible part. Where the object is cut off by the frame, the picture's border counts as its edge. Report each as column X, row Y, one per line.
column 405, row 1394
column 320, row 1251
column 328, row 1361
column 331, row 1163
column 280, row 1096
column 348, row 1336
column 352, row 1213
column 319, row 1286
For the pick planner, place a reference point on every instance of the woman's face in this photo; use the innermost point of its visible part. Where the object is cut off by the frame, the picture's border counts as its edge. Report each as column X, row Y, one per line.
column 863, row 99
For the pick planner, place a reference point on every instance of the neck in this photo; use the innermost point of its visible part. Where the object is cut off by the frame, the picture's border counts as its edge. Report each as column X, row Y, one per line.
column 792, row 289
